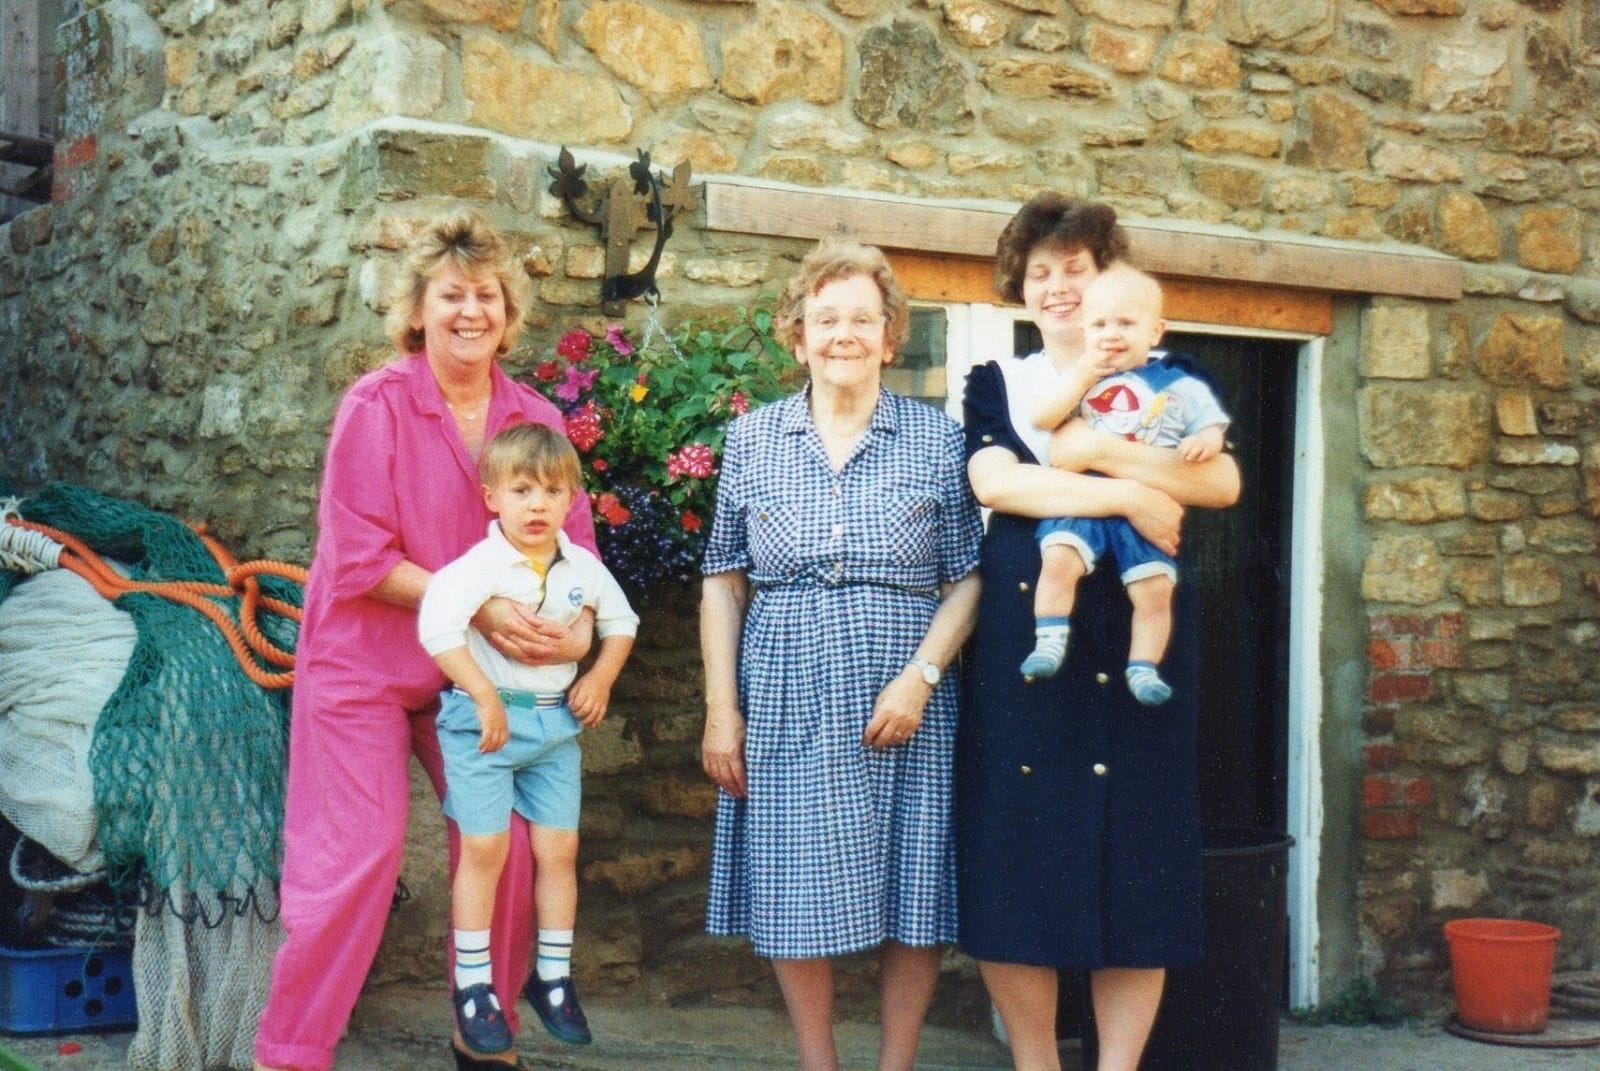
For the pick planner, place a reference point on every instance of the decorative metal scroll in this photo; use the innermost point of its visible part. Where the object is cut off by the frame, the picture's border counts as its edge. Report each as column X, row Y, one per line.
column 621, row 210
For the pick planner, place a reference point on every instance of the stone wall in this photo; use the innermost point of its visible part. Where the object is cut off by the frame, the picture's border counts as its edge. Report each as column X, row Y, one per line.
column 233, row 182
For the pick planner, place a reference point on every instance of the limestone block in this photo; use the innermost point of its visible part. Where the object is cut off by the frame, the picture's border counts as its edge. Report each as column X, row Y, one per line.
column 1108, row 135
column 1416, row 163
column 1037, row 7
column 607, row 749
column 719, row 271
column 1135, row 172
column 1514, row 413
column 1035, row 79
column 389, row 74
column 1125, row 53
column 319, row 16
column 1396, row 342
column 633, row 874
column 1458, row 890
column 1467, row 77
column 502, row 15
column 800, row 170
column 1498, row 507
column 1046, row 35
column 1298, row 25
column 1569, row 416
column 111, row 60
column 1420, row 501
column 1523, row 452
column 1201, row 61
column 1521, row 349
column 853, row 9
column 508, row 92
column 1231, row 184
column 547, row 25
column 645, row 47
column 1335, row 134
column 1362, row 191
column 786, row 51
column 1569, row 137
column 707, row 153
column 694, row 797
column 1403, row 569
column 1586, row 817
column 1136, row 14
column 1550, row 239
column 977, row 23
column 1221, row 104
column 1562, row 757
column 1564, row 535
column 1520, row 179
column 967, row 163
column 915, row 155
column 800, row 128
column 873, row 175
column 1529, row 581
column 1402, row 426
column 1475, row 583
column 1245, row 141
column 1522, row 134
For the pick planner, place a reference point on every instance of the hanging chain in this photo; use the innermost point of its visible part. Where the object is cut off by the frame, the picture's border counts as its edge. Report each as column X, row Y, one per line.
column 653, row 329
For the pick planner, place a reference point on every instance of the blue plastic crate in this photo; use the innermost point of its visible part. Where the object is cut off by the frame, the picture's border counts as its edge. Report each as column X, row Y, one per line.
column 55, row 990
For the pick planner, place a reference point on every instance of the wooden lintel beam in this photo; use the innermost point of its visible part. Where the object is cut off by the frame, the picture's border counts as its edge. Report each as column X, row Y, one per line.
column 966, row 231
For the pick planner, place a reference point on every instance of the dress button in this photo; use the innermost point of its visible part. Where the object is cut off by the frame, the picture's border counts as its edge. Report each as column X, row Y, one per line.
column 1100, row 678
column 1099, row 769
column 838, row 530
column 1022, row 586
column 1026, row 770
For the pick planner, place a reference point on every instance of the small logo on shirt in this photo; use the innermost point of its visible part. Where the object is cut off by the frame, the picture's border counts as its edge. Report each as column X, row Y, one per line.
column 575, row 598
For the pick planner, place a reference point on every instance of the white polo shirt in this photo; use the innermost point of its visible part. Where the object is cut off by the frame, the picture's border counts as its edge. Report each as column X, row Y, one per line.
column 494, row 567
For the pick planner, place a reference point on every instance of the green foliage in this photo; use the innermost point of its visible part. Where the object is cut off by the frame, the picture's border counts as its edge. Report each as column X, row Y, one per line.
column 648, row 421
column 1360, row 1003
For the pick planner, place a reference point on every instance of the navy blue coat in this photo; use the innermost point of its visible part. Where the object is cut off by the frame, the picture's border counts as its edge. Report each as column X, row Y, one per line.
column 1078, row 829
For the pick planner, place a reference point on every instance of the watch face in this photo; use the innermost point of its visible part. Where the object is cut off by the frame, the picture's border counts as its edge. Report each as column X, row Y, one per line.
column 929, row 671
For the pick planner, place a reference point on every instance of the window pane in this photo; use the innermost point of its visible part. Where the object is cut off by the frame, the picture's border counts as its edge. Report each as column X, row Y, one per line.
column 918, row 370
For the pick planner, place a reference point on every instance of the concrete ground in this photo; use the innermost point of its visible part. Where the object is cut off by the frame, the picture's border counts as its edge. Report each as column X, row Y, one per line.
column 397, row 1029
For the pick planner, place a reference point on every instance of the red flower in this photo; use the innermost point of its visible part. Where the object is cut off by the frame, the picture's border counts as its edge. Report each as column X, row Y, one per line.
column 574, row 345
column 611, row 509
column 547, row 371
column 740, row 404
column 695, row 461
column 583, row 426
column 599, row 464
column 691, row 523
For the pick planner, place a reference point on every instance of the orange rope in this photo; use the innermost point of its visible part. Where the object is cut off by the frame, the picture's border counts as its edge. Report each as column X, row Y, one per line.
column 244, row 636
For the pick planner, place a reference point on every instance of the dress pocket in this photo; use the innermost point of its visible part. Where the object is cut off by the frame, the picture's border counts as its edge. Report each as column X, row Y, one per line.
column 777, row 536
column 913, row 525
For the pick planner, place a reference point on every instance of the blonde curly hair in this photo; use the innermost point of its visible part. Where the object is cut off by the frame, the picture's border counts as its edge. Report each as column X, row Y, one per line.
column 466, row 241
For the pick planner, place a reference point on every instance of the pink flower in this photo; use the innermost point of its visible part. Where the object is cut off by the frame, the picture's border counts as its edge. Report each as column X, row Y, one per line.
column 583, row 426
column 691, row 523
column 619, row 341
column 547, row 371
column 576, row 382
column 599, row 464
column 695, row 461
column 740, row 403
column 574, row 345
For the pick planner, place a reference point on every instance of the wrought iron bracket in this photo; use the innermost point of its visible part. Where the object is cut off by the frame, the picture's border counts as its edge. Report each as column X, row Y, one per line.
column 623, row 208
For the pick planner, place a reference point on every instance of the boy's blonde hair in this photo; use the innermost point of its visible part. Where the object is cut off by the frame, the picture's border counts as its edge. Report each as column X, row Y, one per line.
column 534, row 450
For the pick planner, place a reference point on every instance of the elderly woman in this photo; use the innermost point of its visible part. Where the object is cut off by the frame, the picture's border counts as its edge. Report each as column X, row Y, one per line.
column 840, row 584
column 400, row 498
column 1078, row 813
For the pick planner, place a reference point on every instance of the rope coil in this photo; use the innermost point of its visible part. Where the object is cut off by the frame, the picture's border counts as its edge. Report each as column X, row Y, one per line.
column 245, row 638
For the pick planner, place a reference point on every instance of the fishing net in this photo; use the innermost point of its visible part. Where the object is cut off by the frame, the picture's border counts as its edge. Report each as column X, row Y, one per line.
column 187, row 759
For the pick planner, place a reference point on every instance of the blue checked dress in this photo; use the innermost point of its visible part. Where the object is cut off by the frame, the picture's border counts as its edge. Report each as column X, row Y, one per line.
column 837, row 847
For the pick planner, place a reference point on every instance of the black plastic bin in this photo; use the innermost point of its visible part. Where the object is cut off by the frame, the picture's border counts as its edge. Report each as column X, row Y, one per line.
column 1222, row 1013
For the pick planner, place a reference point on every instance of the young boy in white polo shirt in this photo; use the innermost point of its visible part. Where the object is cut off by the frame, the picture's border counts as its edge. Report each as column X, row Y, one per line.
column 509, row 731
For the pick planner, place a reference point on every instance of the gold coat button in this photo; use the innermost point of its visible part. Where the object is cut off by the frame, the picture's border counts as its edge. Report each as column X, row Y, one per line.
column 988, row 438
column 1026, row 770
column 1023, row 586
column 1099, row 769
column 1100, row 678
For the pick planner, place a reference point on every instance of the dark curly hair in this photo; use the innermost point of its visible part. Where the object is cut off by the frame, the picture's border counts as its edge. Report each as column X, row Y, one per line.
column 1055, row 221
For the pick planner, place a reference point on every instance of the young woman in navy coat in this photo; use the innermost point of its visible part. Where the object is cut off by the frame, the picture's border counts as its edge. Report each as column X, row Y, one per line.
column 1078, row 834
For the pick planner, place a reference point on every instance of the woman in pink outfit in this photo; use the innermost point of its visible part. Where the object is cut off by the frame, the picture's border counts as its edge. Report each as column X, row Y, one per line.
column 400, row 498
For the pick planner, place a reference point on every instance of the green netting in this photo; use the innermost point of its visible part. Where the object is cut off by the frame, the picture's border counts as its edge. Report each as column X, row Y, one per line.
column 188, row 754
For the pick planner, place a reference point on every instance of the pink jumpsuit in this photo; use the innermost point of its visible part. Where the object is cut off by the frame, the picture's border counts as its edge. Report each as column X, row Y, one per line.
column 398, row 484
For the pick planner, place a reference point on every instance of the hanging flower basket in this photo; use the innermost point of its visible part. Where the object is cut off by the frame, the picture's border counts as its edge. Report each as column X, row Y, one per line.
column 648, row 420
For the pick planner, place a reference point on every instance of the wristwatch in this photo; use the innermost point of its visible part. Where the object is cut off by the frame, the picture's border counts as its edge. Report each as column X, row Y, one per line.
column 929, row 671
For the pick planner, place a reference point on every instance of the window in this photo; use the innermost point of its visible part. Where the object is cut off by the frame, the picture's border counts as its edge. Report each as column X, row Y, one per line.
column 27, row 107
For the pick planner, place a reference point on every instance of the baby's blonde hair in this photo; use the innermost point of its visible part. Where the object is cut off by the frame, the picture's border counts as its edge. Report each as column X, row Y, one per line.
column 529, row 450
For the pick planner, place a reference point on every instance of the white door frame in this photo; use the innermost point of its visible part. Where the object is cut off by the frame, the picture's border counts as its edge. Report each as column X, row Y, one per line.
column 976, row 333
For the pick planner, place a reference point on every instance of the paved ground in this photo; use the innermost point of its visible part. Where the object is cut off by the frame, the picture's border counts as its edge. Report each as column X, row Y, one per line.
column 400, row 1029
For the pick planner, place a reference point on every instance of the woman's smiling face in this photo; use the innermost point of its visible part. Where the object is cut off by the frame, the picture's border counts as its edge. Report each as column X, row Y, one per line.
column 844, row 337
column 462, row 320
column 1052, row 291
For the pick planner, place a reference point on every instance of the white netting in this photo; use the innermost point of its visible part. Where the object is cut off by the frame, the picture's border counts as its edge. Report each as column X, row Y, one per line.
column 202, row 983
column 63, row 651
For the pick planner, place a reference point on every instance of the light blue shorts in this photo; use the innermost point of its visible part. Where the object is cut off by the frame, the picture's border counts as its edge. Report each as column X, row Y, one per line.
column 539, row 772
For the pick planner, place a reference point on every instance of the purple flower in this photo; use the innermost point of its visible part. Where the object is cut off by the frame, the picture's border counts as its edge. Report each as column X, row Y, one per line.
column 577, row 381
column 619, row 341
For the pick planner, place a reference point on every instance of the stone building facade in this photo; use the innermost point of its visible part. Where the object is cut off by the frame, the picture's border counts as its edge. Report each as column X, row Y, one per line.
column 232, row 182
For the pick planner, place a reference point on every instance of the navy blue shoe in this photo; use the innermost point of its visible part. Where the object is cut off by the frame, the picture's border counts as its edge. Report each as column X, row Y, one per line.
column 480, row 1020
column 565, row 1021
